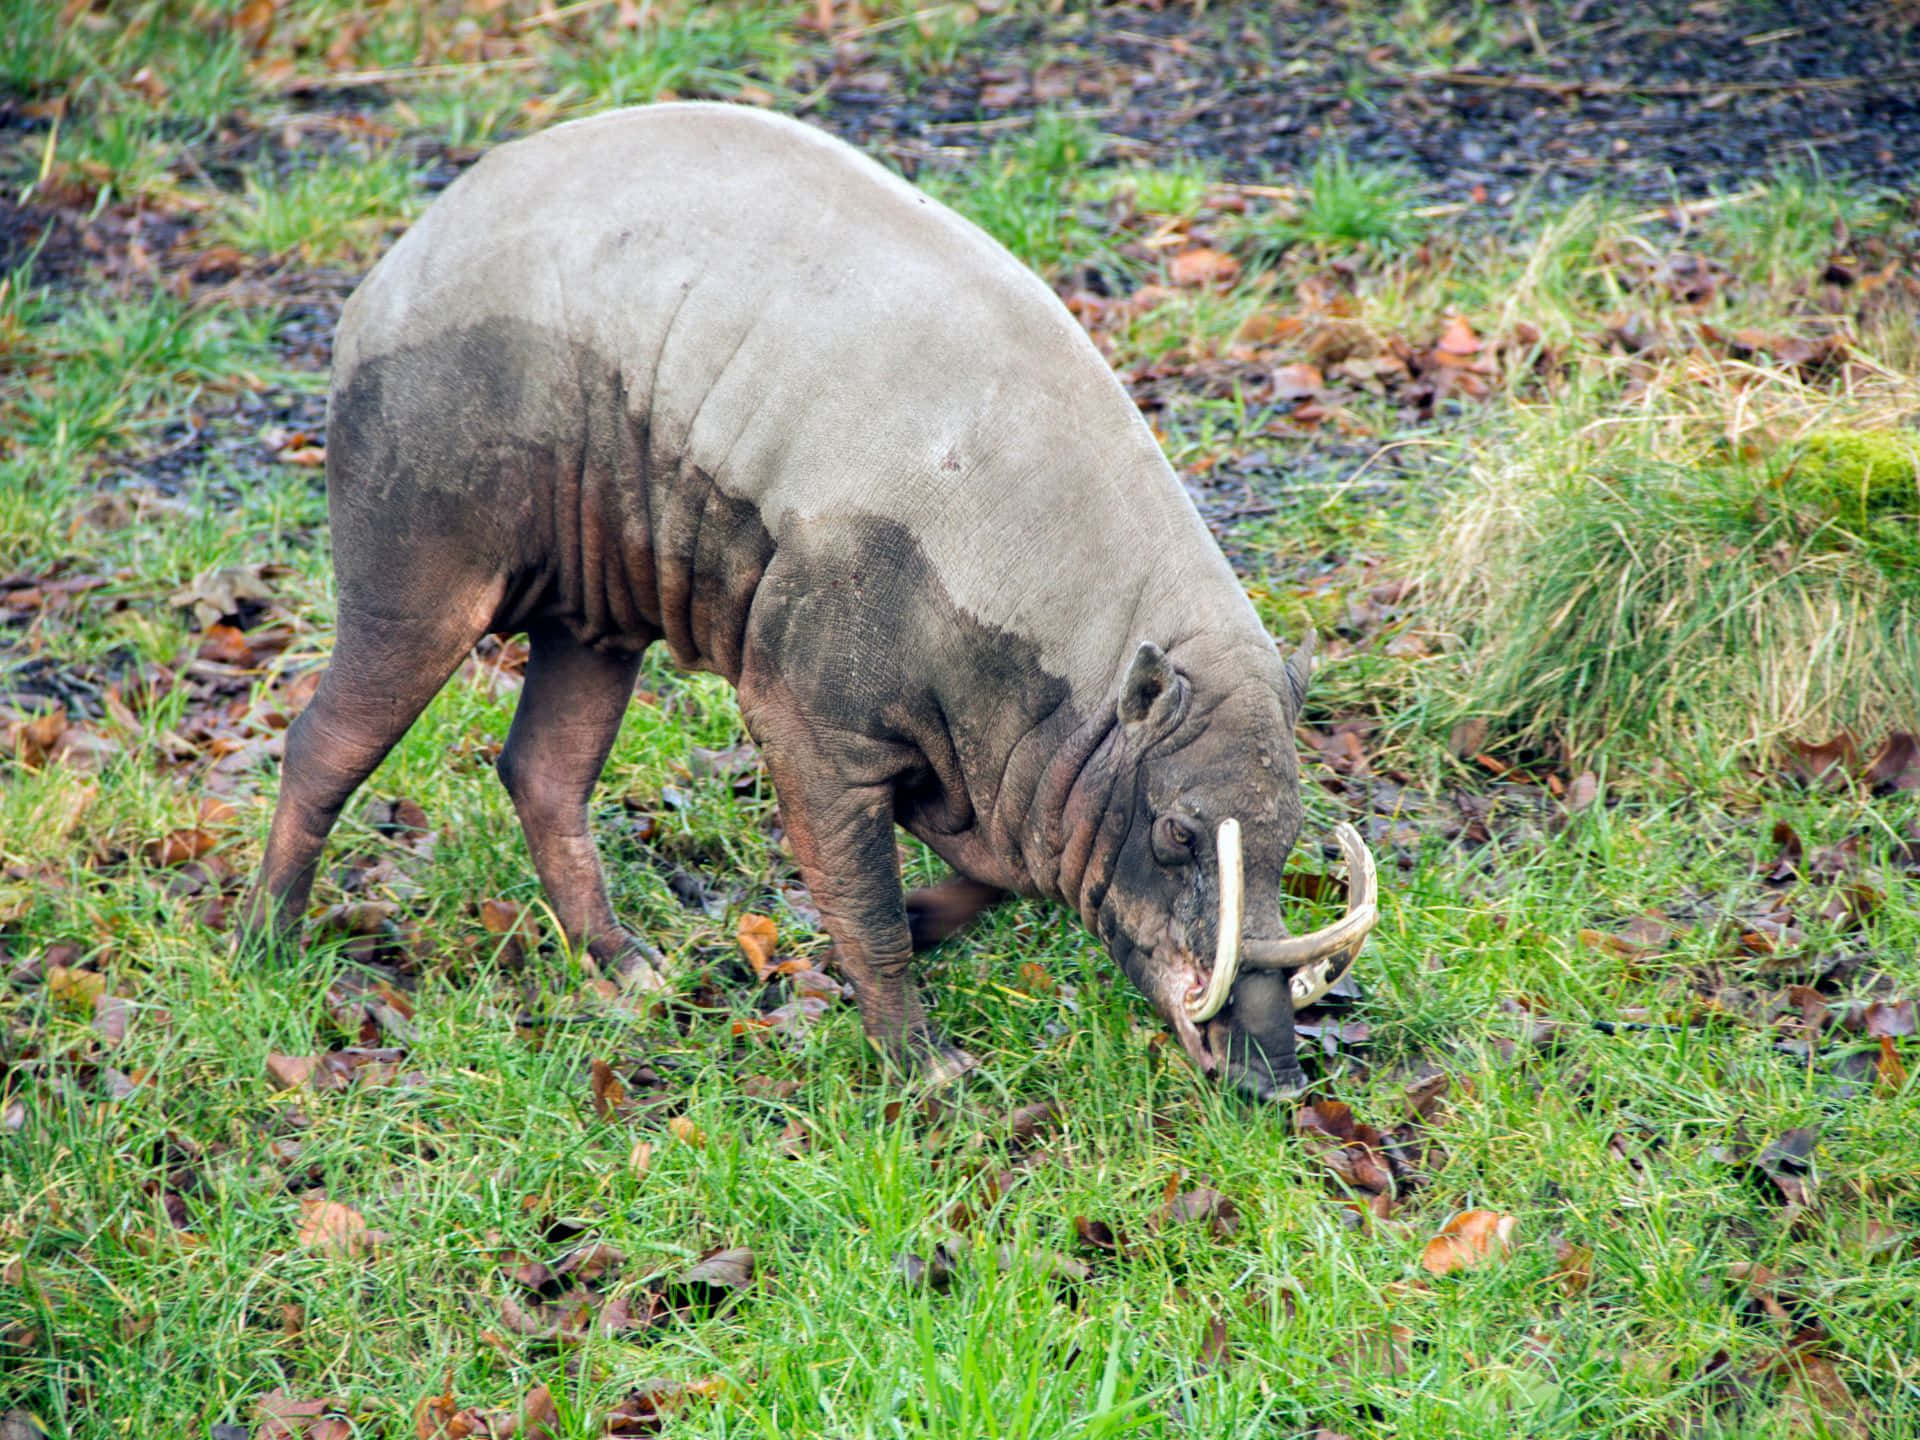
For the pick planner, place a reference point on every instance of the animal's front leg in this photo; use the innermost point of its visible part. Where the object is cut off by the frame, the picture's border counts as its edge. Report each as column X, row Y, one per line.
column 843, row 840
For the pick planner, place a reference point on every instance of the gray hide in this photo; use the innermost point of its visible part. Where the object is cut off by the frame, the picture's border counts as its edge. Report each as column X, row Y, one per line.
column 703, row 374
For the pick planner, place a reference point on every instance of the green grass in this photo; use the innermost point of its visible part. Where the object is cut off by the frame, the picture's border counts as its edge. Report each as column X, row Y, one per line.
column 1161, row 190
column 706, row 53
column 1347, row 206
column 99, row 373
column 152, row 1278
column 331, row 210
column 164, row 49
column 500, row 1137
column 1023, row 191
column 1793, row 223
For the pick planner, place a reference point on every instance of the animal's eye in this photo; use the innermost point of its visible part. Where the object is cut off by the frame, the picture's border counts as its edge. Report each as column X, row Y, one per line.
column 1173, row 840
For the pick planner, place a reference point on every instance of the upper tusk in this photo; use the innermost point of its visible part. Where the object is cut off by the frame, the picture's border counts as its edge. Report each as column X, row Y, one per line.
column 1335, row 946
column 1226, row 954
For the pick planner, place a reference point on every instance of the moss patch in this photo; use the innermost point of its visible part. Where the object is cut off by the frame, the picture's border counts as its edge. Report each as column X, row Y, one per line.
column 1861, row 484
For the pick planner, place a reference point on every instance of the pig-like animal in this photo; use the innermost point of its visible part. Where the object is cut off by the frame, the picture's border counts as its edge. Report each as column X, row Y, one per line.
column 702, row 374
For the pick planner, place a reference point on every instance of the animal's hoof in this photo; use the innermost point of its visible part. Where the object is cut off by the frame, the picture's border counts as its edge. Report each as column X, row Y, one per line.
column 1260, row 1081
column 635, row 964
column 944, row 1065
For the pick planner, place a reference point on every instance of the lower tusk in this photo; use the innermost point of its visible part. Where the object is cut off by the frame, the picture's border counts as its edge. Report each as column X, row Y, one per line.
column 1319, row 960
column 1311, row 982
column 1226, row 954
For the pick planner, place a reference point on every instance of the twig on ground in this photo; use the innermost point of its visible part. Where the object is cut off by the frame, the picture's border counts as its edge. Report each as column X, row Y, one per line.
column 347, row 79
column 859, row 32
column 552, row 16
column 1266, row 192
column 1696, row 207
column 1681, row 88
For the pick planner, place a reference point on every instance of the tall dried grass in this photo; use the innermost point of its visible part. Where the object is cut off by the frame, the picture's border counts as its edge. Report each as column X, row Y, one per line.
column 1661, row 588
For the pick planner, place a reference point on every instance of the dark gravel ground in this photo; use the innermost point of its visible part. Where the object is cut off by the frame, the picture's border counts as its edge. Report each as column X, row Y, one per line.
column 1485, row 104
column 1644, row 100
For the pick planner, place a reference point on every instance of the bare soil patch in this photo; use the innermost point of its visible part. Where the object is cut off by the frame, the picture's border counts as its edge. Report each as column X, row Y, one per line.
column 1638, row 100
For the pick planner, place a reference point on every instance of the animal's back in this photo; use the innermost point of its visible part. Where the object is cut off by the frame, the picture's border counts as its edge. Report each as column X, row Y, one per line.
column 638, row 347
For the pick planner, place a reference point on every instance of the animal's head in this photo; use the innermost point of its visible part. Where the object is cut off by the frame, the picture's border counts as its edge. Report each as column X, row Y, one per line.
column 1204, row 813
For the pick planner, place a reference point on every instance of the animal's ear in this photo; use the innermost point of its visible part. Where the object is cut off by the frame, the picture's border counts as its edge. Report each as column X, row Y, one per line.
column 1152, row 689
column 1299, row 669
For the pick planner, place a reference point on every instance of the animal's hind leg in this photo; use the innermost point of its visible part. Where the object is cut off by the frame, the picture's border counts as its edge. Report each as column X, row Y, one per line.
column 383, row 672
column 566, row 723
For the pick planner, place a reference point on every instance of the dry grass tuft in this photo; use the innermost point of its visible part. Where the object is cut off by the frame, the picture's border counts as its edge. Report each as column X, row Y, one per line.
column 1704, row 580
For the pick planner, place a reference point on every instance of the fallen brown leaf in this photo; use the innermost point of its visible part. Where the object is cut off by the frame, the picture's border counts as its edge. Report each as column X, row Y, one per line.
column 514, row 924
column 1298, row 381
column 1029, row 1120
column 1787, row 1162
column 330, row 1228
column 1457, row 340
column 794, row 1140
column 1584, row 791
column 1063, row 1269
column 1035, row 979
column 1202, row 265
column 1468, row 1239
column 75, row 989
column 357, row 917
column 727, row 1269
column 536, row 1417
column 1425, row 1095
column 1896, row 766
column 686, row 1132
column 439, row 1417
column 1889, row 1019
column 757, row 936
column 282, row 1417
column 1819, row 1402
column 1830, row 760
column 1101, row 1236
column 591, row 1262
column 1220, row 1213
column 1576, row 1267
column 1354, row 1152
column 110, row 1016
column 933, row 1273
column 647, row 1408
column 1893, row 1074
column 609, row 1095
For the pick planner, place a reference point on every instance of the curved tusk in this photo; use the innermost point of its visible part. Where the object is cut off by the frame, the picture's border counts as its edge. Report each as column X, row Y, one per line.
column 1226, row 954
column 1321, row 958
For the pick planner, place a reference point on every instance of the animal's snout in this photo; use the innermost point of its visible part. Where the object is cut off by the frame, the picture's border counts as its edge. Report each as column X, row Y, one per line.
column 1254, row 1038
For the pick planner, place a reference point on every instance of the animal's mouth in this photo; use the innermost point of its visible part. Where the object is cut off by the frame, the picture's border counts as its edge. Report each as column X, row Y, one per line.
column 1317, row 959
column 1197, row 994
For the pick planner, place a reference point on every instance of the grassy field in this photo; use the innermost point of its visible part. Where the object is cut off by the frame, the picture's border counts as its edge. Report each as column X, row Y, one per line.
column 1619, row 613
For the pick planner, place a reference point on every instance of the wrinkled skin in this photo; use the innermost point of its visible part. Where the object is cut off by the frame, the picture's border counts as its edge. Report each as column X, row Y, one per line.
column 1201, row 759
column 1154, row 902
